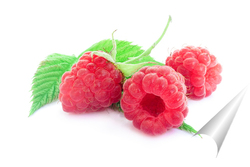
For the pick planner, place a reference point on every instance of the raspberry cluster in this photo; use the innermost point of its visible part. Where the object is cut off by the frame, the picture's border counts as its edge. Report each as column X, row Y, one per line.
column 200, row 69
column 92, row 84
column 154, row 98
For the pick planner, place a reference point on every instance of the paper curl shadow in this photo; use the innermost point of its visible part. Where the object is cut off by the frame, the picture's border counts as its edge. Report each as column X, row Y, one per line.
column 219, row 125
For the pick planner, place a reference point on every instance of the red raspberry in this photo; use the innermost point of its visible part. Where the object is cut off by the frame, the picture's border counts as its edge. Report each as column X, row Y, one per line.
column 154, row 98
column 200, row 69
column 92, row 84
column 95, row 82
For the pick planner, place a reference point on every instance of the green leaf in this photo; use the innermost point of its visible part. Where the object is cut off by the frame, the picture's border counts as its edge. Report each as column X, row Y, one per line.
column 124, row 51
column 46, row 81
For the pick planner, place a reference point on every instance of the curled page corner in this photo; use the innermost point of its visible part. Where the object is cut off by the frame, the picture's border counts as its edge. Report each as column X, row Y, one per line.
column 219, row 125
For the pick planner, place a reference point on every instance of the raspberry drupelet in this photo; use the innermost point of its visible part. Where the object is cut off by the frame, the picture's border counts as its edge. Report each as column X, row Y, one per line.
column 154, row 99
column 200, row 69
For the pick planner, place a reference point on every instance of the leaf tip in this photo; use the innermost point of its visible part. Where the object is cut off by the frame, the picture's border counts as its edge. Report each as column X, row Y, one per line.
column 31, row 113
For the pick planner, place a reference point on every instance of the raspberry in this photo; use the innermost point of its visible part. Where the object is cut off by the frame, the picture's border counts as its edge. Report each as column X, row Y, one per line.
column 95, row 81
column 200, row 69
column 154, row 99
column 91, row 85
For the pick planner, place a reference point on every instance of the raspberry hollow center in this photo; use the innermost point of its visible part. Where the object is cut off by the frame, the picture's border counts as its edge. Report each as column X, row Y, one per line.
column 153, row 104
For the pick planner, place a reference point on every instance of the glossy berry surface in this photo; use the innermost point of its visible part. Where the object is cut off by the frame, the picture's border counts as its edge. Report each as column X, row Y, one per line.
column 92, row 84
column 154, row 99
column 199, row 68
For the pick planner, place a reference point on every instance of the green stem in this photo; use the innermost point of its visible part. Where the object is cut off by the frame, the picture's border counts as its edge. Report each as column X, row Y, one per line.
column 188, row 128
column 113, row 50
column 129, row 69
column 103, row 54
column 148, row 51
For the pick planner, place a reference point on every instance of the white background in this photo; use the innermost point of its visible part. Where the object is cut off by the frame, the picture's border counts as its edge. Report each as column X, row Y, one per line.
column 31, row 30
